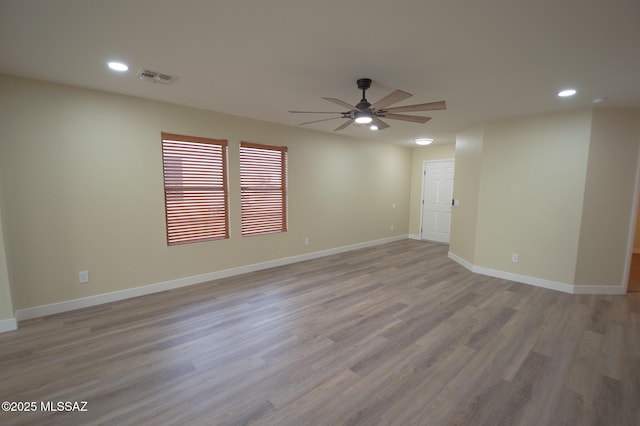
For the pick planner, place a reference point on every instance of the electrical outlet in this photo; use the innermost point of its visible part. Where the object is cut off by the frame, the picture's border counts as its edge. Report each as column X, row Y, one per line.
column 515, row 257
column 306, row 241
column 392, row 227
column 83, row 276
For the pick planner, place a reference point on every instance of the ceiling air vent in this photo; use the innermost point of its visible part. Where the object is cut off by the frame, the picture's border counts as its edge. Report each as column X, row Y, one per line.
column 147, row 75
column 155, row 77
column 164, row 78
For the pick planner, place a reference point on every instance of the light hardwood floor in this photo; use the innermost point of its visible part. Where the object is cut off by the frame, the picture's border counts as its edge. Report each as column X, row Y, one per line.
column 396, row 334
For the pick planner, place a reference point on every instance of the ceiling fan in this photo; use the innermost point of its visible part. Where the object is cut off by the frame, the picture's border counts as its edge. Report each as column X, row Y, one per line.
column 366, row 113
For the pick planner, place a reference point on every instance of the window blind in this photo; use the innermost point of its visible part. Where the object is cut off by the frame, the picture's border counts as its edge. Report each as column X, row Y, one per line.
column 263, row 187
column 195, row 188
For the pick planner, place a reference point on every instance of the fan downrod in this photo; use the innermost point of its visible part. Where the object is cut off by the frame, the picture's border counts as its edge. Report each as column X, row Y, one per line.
column 364, row 84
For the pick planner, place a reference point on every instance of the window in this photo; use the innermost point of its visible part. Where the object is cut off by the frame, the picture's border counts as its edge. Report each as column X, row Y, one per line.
column 263, row 186
column 195, row 188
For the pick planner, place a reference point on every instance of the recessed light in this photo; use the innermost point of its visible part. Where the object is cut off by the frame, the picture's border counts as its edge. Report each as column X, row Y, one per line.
column 599, row 100
column 424, row 141
column 566, row 93
column 118, row 66
column 373, row 127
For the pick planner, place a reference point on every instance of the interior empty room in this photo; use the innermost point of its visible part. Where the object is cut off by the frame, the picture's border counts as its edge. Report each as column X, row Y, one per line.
column 319, row 213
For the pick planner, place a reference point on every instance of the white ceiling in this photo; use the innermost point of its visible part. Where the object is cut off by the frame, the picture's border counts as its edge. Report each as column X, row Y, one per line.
column 488, row 59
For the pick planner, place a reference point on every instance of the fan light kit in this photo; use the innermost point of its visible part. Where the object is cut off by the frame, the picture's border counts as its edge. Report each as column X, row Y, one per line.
column 366, row 113
column 424, row 141
column 363, row 117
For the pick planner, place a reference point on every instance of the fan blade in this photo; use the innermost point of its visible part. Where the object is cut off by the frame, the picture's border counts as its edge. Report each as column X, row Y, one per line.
column 341, row 103
column 343, row 125
column 314, row 112
column 317, row 121
column 431, row 106
column 404, row 117
column 381, row 124
column 391, row 98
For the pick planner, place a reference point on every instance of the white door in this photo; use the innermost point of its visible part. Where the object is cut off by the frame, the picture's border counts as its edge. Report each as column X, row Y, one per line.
column 437, row 192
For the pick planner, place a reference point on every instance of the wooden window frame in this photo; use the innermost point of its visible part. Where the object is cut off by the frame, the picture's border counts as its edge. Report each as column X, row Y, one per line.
column 250, row 225
column 190, row 222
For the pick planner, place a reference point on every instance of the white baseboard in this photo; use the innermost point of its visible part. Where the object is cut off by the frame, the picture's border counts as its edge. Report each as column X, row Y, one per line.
column 538, row 282
column 461, row 261
column 84, row 302
column 8, row 325
column 414, row 236
column 599, row 289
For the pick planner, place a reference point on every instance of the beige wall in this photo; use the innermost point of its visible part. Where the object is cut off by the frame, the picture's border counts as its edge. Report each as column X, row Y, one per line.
column 531, row 190
column 83, row 191
column 6, row 302
column 609, row 196
column 466, row 189
column 557, row 189
column 418, row 156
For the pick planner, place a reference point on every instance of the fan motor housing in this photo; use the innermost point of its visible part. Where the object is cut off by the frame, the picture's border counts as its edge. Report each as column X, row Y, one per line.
column 364, row 83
